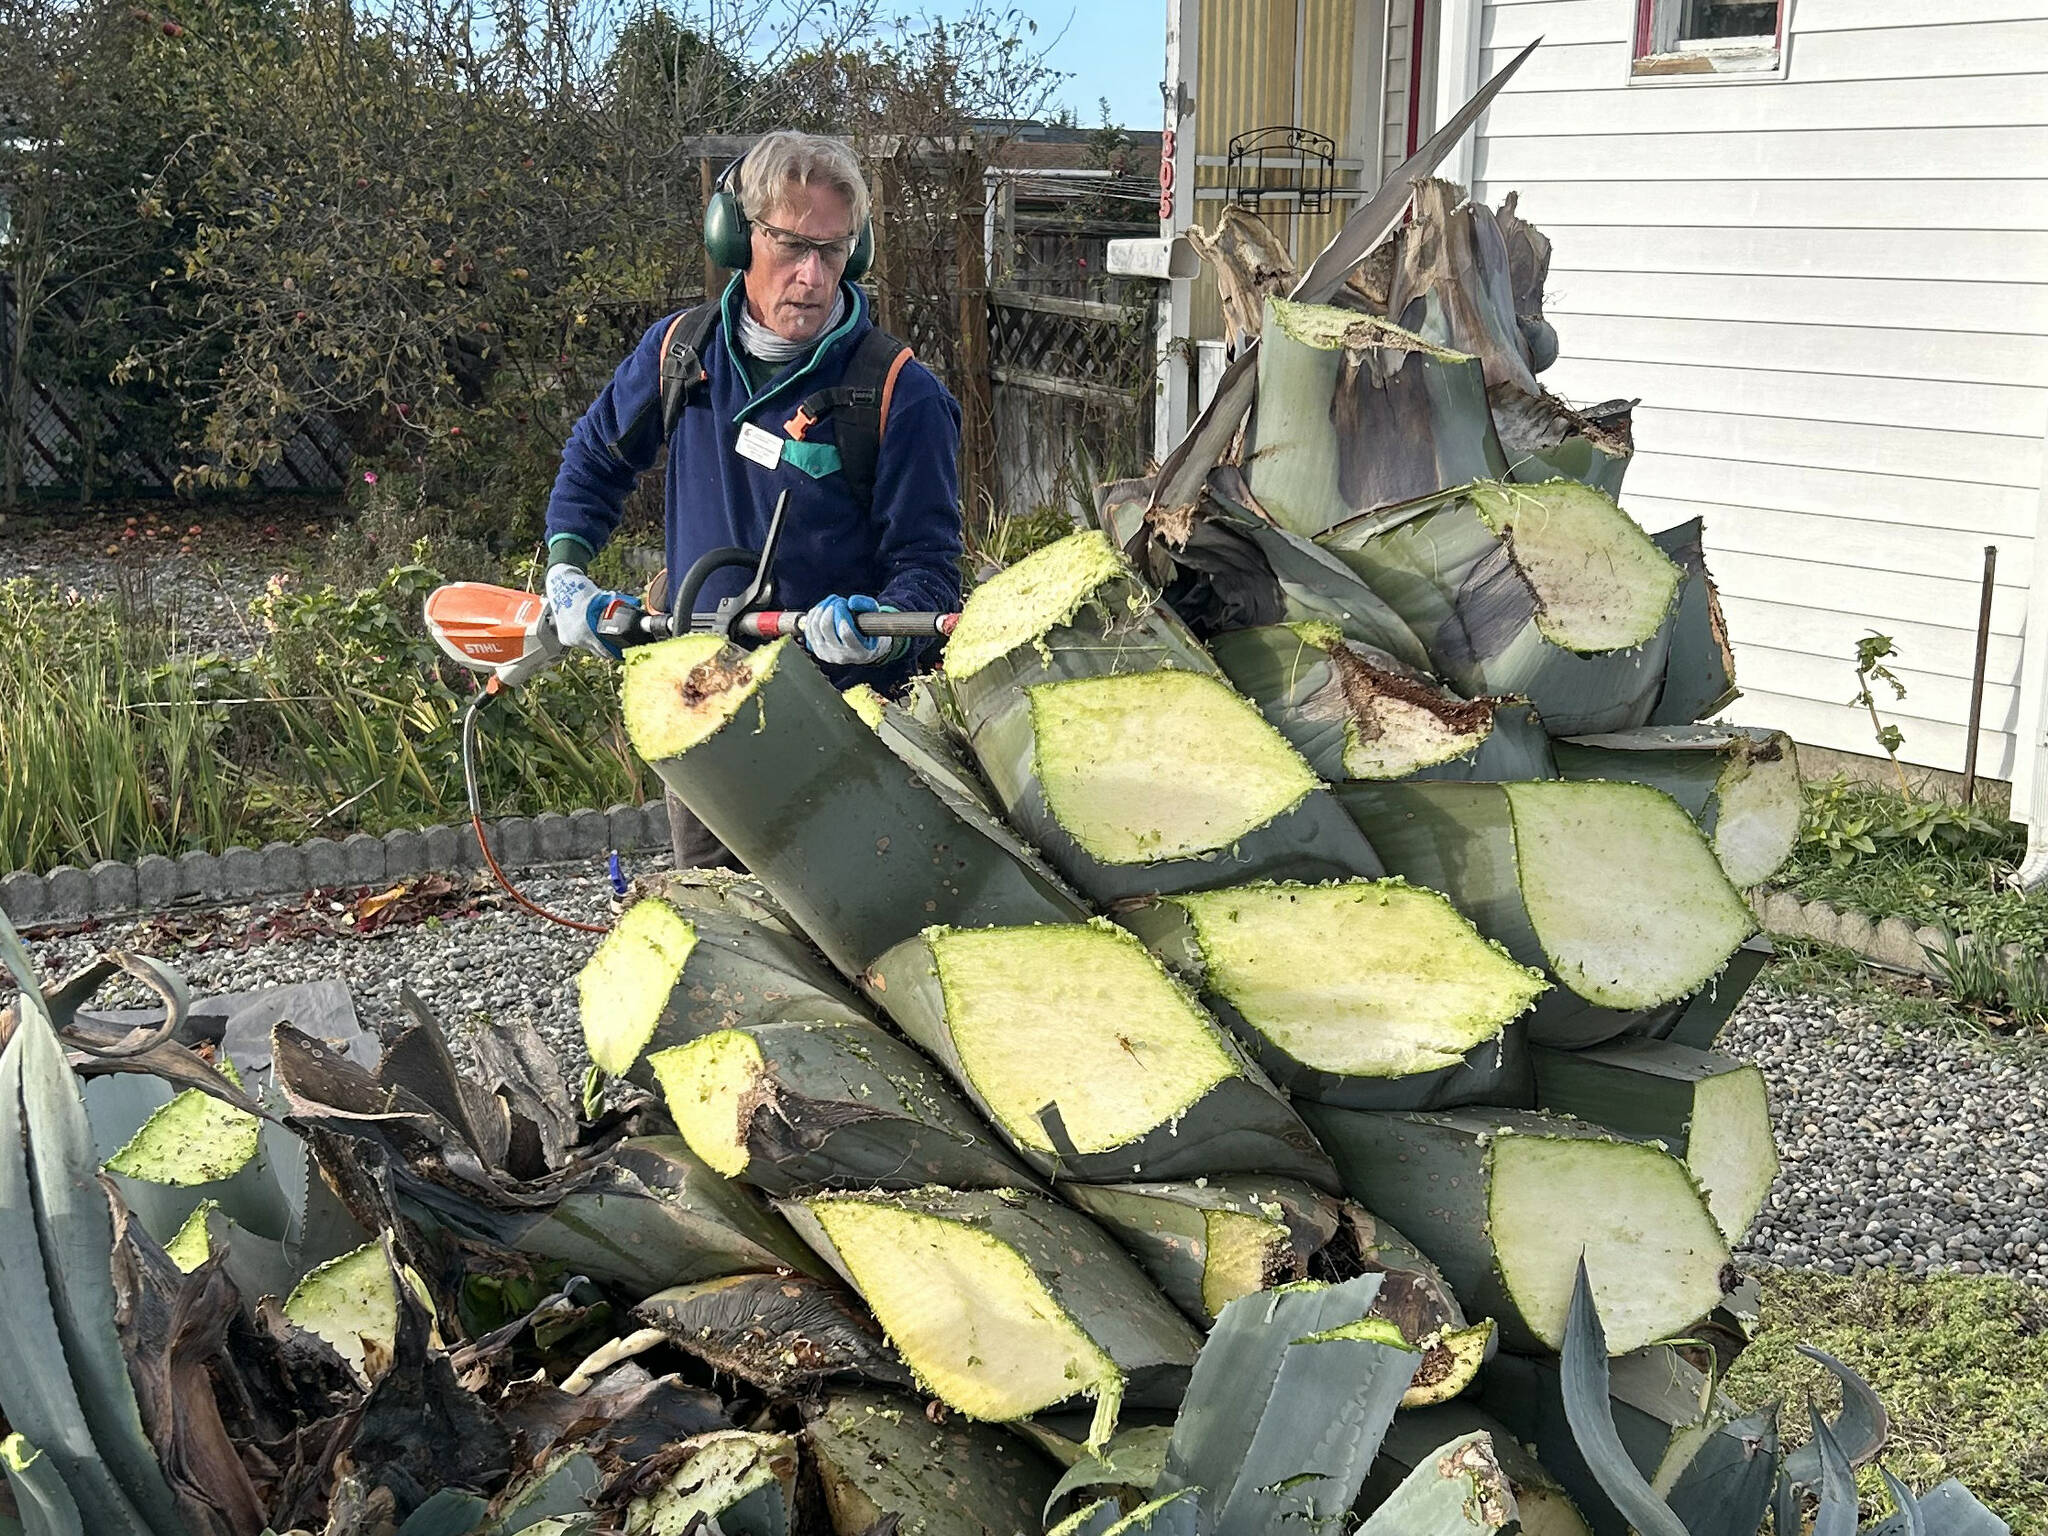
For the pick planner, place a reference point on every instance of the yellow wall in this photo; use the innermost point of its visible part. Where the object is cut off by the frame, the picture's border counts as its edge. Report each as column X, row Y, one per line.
column 1245, row 80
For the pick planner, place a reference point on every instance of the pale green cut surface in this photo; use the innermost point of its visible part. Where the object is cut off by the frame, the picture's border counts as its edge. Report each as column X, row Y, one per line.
column 1451, row 1359
column 1364, row 978
column 1389, row 737
column 1243, row 1254
column 1756, row 825
column 1549, row 1512
column 1600, row 583
column 194, row 1139
column 713, row 1086
column 1021, row 602
column 965, row 1311
column 866, row 703
column 682, row 691
column 349, row 1302
column 1330, row 329
column 624, row 986
column 1653, row 1252
column 728, row 1465
column 1730, row 1149
column 1160, row 765
column 1080, row 1016
column 1628, row 901
column 191, row 1247
column 1369, row 1330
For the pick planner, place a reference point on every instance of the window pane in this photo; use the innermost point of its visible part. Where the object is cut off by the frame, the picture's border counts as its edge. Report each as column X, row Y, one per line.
column 1707, row 19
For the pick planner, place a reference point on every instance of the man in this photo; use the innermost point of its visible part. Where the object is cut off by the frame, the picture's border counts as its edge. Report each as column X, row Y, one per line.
column 784, row 384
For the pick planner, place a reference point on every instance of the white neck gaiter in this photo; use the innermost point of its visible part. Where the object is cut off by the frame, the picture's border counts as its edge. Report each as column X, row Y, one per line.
column 759, row 341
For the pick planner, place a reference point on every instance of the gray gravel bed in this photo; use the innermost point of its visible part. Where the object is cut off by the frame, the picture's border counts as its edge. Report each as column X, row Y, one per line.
column 1921, row 1151
column 1915, row 1150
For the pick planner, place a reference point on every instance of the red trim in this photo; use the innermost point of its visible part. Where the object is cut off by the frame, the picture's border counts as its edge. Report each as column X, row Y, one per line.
column 1646, row 17
column 1416, row 23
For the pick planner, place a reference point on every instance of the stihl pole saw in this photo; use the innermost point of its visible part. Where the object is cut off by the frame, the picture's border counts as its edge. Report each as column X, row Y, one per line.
column 509, row 635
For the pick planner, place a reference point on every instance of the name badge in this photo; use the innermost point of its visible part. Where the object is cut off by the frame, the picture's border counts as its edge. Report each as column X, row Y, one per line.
column 763, row 447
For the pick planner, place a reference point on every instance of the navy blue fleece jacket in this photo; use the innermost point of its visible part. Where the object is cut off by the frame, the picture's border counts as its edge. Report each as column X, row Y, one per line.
column 904, row 550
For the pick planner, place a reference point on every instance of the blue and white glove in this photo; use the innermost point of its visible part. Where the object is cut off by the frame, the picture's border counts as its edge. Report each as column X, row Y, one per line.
column 830, row 635
column 574, row 602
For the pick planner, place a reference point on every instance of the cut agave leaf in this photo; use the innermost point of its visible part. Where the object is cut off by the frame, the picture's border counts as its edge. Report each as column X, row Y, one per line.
column 742, row 1483
column 1697, row 1021
column 1583, row 1380
column 1506, row 1202
column 837, row 1105
column 1699, row 672
column 1458, row 1490
column 1088, row 1058
column 1740, row 785
column 1357, row 713
column 63, row 1378
column 1287, row 1407
column 1725, row 1490
column 858, row 849
column 1708, row 1109
column 1206, row 1244
column 1416, row 1298
column 936, row 755
column 1550, row 592
column 660, row 1217
column 1608, row 887
column 1004, row 1303
column 40, row 1496
column 352, row 1303
column 879, row 1456
column 1451, row 281
column 1372, row 994
column 684, row 963
column 1128, row 1469
column 1543, row 1506
column 1355, row 413
column 1664, row 1411
column 194, row 1139
column 778, row 1332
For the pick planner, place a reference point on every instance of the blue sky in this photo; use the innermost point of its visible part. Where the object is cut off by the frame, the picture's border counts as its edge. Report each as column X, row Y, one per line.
column 1112, row 48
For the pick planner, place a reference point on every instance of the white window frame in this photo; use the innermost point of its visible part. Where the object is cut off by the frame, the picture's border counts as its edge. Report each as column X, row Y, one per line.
column 1661, row 57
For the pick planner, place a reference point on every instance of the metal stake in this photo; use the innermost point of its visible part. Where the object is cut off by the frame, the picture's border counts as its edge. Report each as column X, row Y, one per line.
column 1977, row 675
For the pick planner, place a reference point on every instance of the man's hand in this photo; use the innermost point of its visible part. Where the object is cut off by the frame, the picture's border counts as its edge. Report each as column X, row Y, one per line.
column 831, row 636
column 574, row 602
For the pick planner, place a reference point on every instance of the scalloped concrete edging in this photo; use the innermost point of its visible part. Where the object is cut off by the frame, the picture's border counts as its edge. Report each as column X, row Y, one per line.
column 114, row 887
column 1890, row 942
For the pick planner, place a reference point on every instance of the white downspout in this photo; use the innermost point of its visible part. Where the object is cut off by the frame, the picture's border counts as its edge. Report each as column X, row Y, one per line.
column 1457, row 80
column 2030, row 741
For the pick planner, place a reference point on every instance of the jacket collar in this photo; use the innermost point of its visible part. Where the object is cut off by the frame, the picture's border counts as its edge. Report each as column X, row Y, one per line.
column 810, row 363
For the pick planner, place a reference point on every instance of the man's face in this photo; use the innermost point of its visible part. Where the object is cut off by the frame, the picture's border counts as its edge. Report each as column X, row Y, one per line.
column 790, row 286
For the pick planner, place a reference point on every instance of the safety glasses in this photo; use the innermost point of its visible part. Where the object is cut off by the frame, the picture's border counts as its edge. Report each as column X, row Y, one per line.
column 791, row 247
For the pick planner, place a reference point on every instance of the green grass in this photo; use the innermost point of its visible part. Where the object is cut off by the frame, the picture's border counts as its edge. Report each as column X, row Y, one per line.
column 1925, row 859
column 1961, row 1362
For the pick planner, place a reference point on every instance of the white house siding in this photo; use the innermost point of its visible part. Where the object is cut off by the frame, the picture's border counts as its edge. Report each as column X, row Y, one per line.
column 1831, row 293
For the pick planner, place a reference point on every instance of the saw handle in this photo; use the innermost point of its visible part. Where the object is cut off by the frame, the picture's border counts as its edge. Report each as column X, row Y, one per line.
column 774, row 623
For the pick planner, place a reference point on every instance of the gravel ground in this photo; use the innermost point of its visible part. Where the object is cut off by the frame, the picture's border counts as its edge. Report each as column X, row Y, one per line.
column 1916, row 1150
column 197, row 586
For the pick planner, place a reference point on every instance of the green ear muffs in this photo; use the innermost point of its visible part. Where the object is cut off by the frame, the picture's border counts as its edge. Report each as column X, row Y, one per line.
column 729, row 238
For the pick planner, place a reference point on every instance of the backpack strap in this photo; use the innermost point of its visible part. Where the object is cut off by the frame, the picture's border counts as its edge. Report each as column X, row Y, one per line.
column 682, row 360
column 859, row 408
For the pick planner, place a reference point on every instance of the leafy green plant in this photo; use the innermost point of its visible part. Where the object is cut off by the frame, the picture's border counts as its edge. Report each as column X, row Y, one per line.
column 1871, row 652
column 1983, row 976
column 1845, row 819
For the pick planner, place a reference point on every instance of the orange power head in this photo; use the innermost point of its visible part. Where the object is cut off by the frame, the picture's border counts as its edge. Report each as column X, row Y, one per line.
column 492, row 629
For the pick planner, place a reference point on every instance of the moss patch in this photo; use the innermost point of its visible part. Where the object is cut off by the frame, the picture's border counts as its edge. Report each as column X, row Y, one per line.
column 1961, row 1362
